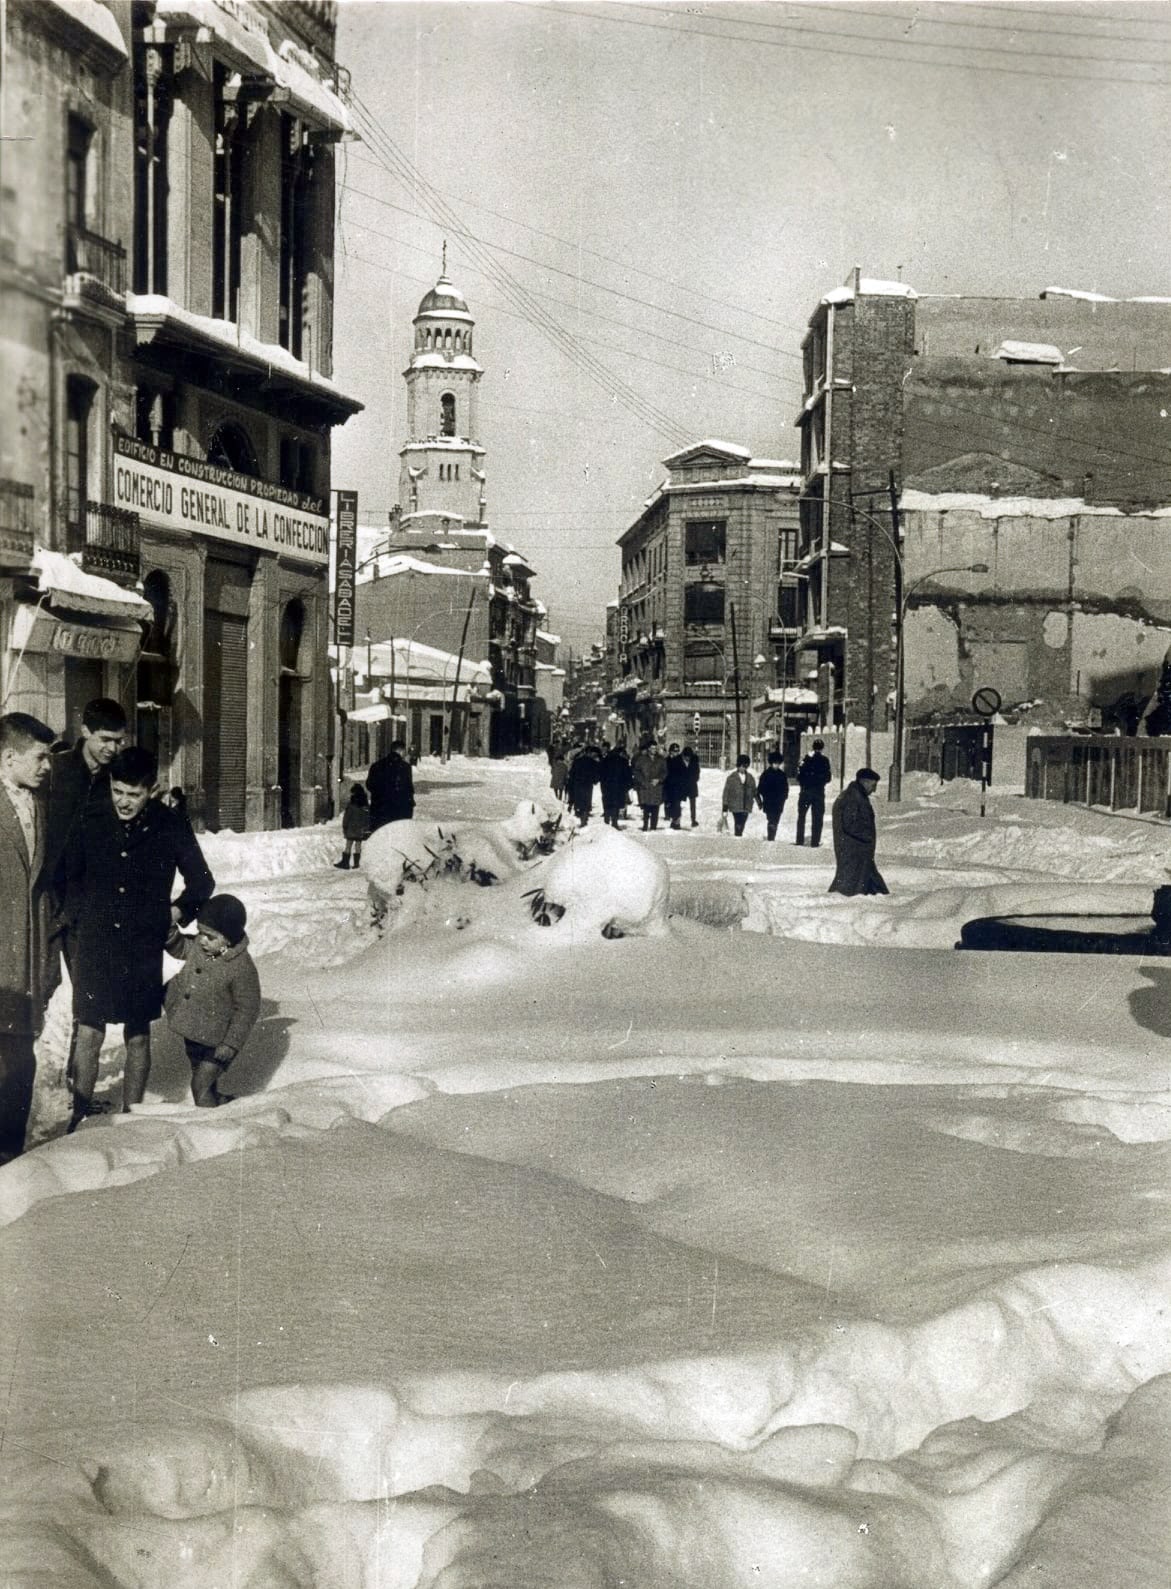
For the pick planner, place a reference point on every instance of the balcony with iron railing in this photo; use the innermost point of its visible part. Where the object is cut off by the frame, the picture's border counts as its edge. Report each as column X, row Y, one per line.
column 108, row 540
column 16, row 524
column 94, row 266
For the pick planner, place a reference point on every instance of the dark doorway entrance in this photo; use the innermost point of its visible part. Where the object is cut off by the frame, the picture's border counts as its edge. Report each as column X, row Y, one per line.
column 289, row 714
column 227, row 588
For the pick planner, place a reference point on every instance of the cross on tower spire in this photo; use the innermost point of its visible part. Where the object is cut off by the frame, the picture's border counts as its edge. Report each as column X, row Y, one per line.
column 444, row 270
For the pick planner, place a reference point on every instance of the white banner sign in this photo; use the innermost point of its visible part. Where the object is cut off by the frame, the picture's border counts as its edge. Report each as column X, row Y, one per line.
column 187, row 494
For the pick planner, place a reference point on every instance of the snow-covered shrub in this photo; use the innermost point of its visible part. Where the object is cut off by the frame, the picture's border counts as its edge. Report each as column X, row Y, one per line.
column 606, row 883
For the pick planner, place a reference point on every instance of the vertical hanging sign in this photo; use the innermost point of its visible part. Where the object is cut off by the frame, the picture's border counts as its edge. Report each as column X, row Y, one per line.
column 344, row 568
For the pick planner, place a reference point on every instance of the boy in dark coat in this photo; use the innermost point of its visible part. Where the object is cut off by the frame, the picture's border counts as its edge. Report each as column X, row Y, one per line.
column 772, row 792
column 120, row 867
column 214, row 1001
column 79, row 778
column 856, row 837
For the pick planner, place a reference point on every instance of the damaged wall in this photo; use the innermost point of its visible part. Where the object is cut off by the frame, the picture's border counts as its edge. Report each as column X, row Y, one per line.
column 1073, row 616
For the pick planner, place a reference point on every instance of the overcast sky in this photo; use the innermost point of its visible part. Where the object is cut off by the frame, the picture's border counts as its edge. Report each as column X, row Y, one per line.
column 643, row 203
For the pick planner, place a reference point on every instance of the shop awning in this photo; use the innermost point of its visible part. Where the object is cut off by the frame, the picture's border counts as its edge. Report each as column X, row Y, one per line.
column 379, row 712
column 67, row 585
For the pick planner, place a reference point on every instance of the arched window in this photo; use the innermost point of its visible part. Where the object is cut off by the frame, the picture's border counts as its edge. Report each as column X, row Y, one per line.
column 447, row 341
column 447, row 414
column 230, row 448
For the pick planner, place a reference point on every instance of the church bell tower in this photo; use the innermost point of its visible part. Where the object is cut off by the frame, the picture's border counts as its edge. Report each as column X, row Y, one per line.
column 442, row 464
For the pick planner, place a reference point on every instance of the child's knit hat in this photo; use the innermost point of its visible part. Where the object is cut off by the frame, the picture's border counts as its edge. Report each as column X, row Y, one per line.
column 225, row 914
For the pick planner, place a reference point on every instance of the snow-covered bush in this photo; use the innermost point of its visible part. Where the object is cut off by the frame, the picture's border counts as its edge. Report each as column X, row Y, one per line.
column 603, row 882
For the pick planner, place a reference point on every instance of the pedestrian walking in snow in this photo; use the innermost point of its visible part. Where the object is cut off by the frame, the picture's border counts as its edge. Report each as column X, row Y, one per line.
column 772, row 792
column 213, row 1002
column 691, row 757
column 584, row 773
column 558, row 770
column 26, row 960
column 812, row 776
column 79, row 778
column 120, row 867
column 649, row 768
column 856, row 838
column 676, row 783
column 391, row 787
column 616, row 779
column 355, row 828
column 739, row 794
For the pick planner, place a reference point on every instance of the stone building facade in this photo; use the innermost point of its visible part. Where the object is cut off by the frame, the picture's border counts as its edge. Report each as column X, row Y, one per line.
column 699, row 630
column 187, row 452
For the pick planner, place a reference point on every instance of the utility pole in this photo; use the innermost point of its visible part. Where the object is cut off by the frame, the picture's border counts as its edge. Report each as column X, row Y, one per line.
column 736, row 675
column 450, row 705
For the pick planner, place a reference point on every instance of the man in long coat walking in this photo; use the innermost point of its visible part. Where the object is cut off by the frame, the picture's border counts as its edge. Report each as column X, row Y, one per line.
column 856, row 838
column 391, row 787
column 24, row 918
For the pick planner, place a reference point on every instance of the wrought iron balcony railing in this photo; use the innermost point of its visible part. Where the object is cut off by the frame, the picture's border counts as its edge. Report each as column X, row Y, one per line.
column 95, row 258
column 16, row 523
column 108, row 540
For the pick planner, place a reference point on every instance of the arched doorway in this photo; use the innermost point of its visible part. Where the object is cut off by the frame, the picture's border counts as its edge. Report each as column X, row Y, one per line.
column 289, row 713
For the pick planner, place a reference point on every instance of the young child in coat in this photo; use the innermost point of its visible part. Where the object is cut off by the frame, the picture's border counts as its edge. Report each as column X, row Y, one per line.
column 355, row 827
column 213, row 1002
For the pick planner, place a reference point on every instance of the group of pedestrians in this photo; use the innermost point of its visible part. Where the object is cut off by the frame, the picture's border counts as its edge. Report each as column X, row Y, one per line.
column 89, row 857
column 658, row 782
column 670, row 782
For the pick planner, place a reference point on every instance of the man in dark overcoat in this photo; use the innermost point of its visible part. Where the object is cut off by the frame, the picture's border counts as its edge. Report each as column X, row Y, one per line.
column 24, row 923
column 391, row 788
column 584, row 772
column 813, row 775
column 856, row 837
column 691, row 757
column 120, row 870
column 616, row 779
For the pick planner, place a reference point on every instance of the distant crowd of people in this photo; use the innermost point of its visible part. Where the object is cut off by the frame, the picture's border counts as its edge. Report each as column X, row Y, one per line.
column 670, row 781
column 90, row 852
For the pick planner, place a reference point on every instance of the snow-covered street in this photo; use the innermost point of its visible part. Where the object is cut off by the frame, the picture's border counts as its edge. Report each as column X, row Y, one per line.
column 772, row 1242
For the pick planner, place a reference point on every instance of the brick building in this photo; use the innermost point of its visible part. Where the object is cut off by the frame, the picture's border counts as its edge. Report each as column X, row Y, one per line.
column 701, row 624
column 171, row 289
column 975, row 395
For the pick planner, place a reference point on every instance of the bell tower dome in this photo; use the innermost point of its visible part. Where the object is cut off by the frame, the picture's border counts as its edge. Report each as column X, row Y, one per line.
column 441, row 463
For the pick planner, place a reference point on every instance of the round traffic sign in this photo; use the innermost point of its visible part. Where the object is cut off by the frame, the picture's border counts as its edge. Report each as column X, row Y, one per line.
column 986, row 701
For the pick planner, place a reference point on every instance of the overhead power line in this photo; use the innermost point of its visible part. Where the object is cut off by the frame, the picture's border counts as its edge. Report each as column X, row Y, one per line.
column 610, row 19
column 920, row 19
column 610, row 259
column 588, row 281
column 595, row 314
column 416, row 183
column 633, row 353
column 884, row 15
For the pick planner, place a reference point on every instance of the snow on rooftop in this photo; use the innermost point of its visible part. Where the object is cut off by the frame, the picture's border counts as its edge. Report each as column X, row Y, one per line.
column 543, row 634
column 229, row 335
column 1020, row 507
column 96, row 20
column 1029, row 353
column 1077, row 292
column 390, row 564
column 439, row 361
column 870, row 287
